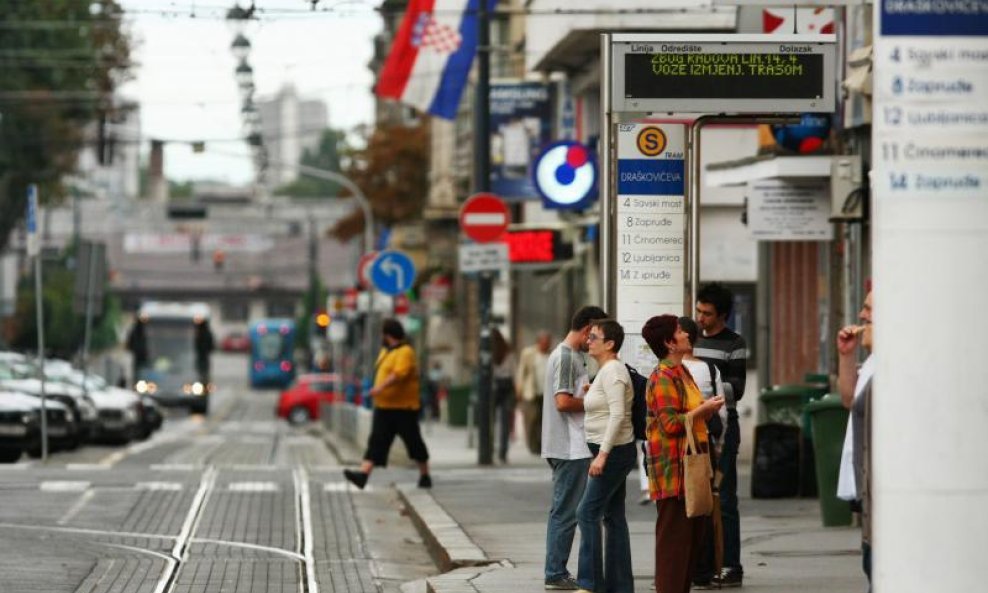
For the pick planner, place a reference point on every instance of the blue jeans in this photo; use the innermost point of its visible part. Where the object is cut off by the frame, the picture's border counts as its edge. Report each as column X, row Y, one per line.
column 729, row 492
column 569, row 480
column 605, row 562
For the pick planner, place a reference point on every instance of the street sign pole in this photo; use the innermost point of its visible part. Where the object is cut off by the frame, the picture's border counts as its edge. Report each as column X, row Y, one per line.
column 34, row 250
column 482, row 183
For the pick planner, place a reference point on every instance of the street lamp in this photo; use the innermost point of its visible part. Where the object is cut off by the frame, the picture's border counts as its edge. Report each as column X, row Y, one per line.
column 236, row 18
column 244, row 74
column 240, row 47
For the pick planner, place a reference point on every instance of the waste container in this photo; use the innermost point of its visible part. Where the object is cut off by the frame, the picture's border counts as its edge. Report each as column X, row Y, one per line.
column 816, row 379
column 785, row 404
column 457, row 402
column 828, row 417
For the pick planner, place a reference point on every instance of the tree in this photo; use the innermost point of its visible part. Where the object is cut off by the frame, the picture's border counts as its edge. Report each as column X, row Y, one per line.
column 393, row 172
column 61, row 60
column 326, row 156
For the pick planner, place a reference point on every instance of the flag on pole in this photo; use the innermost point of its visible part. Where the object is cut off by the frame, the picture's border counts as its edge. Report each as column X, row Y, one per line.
column 432, row 54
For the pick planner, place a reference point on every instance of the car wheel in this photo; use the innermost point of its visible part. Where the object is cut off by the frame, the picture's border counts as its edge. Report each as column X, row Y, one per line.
column 9, row 455
column 299, row 415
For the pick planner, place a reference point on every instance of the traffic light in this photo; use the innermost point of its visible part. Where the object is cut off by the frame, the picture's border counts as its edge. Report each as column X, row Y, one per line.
column 322, row 320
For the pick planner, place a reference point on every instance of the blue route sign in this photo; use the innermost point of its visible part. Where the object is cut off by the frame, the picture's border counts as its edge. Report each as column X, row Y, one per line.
column 393, row 272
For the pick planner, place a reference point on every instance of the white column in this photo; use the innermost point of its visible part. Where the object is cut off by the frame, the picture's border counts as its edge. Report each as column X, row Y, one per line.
column 930, row 406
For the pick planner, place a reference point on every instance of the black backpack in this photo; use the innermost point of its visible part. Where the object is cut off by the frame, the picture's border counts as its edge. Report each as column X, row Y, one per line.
column 639, row 412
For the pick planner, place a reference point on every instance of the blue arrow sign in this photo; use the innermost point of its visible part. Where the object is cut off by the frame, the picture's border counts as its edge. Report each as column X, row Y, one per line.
column 392, row 272
column 31, row 220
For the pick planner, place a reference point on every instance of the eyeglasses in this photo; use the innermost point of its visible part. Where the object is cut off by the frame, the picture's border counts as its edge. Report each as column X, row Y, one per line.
column 594, row 337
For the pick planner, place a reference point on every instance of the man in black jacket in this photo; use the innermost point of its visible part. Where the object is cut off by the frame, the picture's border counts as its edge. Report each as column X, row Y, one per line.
column 727, row 350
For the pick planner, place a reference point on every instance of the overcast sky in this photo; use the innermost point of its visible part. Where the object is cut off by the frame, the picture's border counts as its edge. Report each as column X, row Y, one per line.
column 185, row 82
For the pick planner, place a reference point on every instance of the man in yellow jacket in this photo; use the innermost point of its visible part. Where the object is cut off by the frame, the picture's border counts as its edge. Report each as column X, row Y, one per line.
column 396, row 408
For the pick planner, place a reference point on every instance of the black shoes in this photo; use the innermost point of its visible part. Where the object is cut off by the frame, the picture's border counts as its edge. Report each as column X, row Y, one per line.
column 729, row 577
column 425, row 481
column 358, row 479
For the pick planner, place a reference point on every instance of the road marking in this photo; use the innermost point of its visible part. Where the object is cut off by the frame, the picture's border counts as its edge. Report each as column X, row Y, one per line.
column 305, row 514
column 81, row 531
column 17, row 466
column 86, row 466
column 172, row 486
column 175, row 467
column 75, row 508
column 345, row 487
column 63, row 486
column 253, row 487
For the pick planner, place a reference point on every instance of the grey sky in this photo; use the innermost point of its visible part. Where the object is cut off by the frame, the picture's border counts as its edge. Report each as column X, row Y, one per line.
column 185, row 83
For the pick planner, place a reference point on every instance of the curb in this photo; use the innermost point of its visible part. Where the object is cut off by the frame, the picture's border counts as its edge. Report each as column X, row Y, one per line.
column 449, row 545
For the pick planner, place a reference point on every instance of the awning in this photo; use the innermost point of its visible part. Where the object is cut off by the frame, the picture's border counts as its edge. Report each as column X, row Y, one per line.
column 753, row 168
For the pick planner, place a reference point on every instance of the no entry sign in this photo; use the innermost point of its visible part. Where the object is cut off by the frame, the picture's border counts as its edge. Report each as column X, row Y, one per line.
column 484, row 217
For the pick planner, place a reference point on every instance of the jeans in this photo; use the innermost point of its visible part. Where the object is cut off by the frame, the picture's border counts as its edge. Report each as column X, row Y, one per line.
column 605, row 561
column 569, row 480
column 729, row 492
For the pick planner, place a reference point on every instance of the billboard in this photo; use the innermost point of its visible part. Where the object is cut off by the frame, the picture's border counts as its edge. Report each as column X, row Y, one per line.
column 521, row 125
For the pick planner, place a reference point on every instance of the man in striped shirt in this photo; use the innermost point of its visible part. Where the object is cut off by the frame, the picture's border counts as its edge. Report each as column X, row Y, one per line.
column 727, row 350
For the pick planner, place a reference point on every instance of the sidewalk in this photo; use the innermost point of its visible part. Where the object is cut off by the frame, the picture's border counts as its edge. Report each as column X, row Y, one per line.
column 486, row 526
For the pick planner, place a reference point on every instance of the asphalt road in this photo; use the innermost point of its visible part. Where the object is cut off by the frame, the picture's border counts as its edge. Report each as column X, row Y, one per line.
column 237, row 501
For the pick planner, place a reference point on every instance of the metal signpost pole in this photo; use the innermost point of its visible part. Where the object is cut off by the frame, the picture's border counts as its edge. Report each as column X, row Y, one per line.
column 34, row 250
column 90, row 272
column 608, row 286
column 482, row 182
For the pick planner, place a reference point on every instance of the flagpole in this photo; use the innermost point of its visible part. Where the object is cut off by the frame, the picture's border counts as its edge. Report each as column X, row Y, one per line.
column 482, row 183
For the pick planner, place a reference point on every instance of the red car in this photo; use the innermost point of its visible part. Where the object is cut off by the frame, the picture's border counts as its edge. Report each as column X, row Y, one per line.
column 300, row 403
column 235, row 342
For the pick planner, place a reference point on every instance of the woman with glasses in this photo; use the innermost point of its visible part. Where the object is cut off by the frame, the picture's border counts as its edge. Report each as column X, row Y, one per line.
column 611, row 440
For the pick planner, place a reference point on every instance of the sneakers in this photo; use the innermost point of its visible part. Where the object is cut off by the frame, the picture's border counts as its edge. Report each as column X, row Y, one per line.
column 708, row 584
column 425, row 481
column 561, row 584
column 729, row 577
column 358, row 479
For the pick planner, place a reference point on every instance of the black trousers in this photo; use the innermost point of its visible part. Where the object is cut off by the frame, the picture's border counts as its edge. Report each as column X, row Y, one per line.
column 385, row 426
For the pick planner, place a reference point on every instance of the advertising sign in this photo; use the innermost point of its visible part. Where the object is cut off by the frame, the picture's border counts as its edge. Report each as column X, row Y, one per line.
column 724, row 74
column 566, row 176
column 521, row 124
column 790, row 210
column 651, row 231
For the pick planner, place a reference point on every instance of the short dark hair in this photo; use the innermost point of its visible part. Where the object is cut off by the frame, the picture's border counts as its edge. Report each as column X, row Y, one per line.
column 719, row 296
column 690, row 327
column 612, row 331
column 657, row 331
column 393, row 329
column 585, row 315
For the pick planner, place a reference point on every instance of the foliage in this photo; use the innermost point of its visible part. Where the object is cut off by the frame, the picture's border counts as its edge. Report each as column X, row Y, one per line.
column 327, row 156
column 393, row 172
column 61, row 60
column 64, row 329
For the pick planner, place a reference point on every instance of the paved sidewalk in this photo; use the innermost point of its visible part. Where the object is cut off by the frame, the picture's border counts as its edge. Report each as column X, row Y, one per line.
column 486, row 526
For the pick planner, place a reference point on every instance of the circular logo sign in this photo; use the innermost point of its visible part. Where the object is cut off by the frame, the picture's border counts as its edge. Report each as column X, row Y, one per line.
column 565, row 175
column 651, row 141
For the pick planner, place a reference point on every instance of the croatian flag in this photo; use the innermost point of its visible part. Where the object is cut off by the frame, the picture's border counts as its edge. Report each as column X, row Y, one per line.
column 431, row 56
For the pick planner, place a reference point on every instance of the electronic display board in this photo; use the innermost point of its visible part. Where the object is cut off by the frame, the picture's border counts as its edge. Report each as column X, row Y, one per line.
column 723, row 73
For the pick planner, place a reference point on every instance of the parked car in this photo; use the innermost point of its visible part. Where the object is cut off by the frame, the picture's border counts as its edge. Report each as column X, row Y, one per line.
column 235, row 342
column 82, row 409
column 300, row 403
column 60, row 426
column 119, row 410
column 19, row 421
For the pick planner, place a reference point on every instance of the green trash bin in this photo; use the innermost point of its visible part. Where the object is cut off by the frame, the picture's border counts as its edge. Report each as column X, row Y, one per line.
column 816, row 379
column 828, row 417
column 786, row 404
column 457, row 402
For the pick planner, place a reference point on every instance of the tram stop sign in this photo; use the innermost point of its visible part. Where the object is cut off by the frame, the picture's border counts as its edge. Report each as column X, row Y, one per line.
column 484, row 217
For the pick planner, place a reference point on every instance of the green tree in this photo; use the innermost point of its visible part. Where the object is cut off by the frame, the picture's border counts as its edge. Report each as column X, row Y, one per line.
column 60, row 62
column 326, row 156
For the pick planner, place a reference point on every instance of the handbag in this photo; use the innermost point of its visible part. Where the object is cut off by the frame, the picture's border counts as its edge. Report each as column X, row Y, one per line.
column 697, row 474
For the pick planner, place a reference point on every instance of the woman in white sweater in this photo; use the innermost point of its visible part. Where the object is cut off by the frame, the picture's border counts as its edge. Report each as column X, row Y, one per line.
column 611, row 439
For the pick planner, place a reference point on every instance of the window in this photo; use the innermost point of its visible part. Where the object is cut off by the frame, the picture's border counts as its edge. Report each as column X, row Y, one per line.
column 281, row 308
column 234, row 309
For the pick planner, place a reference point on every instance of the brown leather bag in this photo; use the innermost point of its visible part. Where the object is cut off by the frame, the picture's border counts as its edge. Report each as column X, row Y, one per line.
column 697, row 474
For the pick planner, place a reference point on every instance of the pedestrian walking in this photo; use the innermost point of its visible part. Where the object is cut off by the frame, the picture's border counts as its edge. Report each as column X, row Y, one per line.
column 672, row 397
column 396, row 408
column 728, row 351
column 854, row 385
column 564, row 445
column 504, row 390
column 611, row 439
column 529, row 382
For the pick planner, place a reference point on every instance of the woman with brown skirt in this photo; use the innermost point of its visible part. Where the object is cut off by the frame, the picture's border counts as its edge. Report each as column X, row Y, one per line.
column 671, row 397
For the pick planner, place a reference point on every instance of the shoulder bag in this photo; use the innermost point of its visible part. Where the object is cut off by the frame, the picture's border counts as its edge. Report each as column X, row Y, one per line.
column 696, row 476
